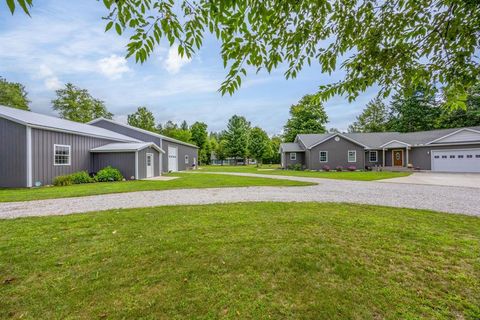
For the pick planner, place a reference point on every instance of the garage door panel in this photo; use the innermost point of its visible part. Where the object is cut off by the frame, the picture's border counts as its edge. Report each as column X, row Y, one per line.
column 461, row 160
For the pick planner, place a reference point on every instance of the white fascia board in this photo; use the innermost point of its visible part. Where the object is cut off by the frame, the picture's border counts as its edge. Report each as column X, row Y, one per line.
column 453, row 133
column 29, row 157
column 397, row 141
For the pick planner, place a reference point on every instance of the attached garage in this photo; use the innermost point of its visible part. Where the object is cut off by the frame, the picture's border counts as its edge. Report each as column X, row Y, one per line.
column 456, row 160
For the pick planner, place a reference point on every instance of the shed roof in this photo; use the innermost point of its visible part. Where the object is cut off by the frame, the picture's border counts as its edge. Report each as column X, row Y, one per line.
column 43, row 121
column 154, row 134
column 291, row 147
column 126, row 147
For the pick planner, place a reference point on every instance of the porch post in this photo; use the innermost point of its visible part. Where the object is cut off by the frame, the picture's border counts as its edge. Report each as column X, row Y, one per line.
column 383, row 158
column 407, row 156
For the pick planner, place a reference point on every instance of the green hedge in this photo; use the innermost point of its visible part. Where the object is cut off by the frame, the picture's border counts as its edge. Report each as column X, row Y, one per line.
column 105, row 175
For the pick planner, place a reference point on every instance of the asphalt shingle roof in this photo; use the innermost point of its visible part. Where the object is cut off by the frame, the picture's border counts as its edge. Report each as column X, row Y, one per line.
column 291, row 147
column 376, row 139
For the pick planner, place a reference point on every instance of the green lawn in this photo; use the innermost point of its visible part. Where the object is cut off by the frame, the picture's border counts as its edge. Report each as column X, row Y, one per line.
column 274, row 170
column 249, row 261
column 185, row 180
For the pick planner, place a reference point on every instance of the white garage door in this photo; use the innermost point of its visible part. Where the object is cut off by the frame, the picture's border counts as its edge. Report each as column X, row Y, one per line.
column 466, row 160
column 172, row 159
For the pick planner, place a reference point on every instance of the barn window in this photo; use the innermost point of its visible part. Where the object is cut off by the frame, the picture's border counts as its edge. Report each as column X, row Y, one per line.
column 61, row 155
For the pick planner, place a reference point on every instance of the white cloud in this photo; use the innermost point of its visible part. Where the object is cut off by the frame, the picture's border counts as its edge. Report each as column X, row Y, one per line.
column 174, row 62
column 113, row 67
column 52, row 83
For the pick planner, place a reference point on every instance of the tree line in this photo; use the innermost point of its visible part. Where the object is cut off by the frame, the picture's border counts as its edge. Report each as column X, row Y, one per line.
column 238, row 141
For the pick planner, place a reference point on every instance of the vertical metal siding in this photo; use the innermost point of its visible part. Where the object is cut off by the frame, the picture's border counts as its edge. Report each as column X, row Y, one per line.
column 127, row 131
column 123, row 161
column 142, row 163
column 182, row 152
column 13, row 154
column 43, row 141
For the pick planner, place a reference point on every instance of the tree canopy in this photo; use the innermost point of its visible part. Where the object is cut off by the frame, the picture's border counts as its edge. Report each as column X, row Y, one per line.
column 236, row 137
column 78, row 105
column 13, row 95
column 258, row 144
column 392, row 44
column 374, row 118
column 143, row 119
column 307, row 116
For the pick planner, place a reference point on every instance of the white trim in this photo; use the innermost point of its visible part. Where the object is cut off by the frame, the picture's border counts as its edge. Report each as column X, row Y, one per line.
column 69, row 154
column 320, row 157
column 151, row 145
column 67, row 131
column 294, row 154
column 338, row 135
column 397, row 141
column 348, row 156
column 453, row 133
column 136, row 165
column 445, row 144
column 376, row 156
column 146, row 164
column 161, row 136
column 29, row 157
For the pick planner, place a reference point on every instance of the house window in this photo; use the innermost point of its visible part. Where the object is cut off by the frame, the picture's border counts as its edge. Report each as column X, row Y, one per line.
column 61, row 155
column 352, row 156
column 323, row 156
column 293, row 156
column 186, row 159
column 373, row 156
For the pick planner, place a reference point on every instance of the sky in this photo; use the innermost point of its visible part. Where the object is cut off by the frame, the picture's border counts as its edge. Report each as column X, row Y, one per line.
column 64, row 41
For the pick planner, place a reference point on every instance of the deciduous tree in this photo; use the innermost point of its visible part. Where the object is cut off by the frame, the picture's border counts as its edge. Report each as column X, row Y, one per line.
column 307, row 116
column 13, row 95
column 78, row 105
column 258, row 144
column 143, row 119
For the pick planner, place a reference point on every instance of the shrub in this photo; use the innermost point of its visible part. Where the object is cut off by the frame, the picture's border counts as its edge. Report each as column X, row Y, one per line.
column 295, row 167
column 63, row 181
column 108, row 174
column 81, row 177
column 352, row 168
column 326, row 168
column 339, row 168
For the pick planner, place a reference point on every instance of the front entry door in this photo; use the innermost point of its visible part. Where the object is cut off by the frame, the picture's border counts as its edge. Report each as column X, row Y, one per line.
column 398, row 158
column 149, row 165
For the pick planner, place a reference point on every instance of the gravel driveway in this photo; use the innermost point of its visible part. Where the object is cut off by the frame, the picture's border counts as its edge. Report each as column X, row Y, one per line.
column 439, row 198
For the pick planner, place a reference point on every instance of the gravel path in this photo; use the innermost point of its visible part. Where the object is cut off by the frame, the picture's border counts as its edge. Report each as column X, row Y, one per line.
column 439, row 198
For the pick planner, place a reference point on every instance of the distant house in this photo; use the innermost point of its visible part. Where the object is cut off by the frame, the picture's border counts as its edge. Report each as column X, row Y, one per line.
column 446, row 150
column 35, row 148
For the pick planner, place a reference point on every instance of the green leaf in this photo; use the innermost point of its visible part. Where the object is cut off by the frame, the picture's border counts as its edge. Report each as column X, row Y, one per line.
column 109, row 26
column 118, row 28
column 11, row 5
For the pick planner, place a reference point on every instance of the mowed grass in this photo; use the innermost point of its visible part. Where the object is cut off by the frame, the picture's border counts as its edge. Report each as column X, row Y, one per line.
column 275, row 170
column 242, row 261
column 185, row 180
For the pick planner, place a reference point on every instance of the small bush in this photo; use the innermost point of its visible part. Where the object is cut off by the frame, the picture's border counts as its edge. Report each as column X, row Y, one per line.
column 295, row 167
column 339, row 168
column 326, row 168
column 62, row 181
column 81, row 177
column 108, row 174
column 352, row 168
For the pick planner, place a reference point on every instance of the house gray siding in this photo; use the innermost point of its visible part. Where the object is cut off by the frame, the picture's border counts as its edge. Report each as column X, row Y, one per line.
column 183, row 150
column 337, row 154
column 123, row 161
column 300, row 159
column 13, row 154
column 142, row 162
column 379, row 158
column 43, row 168
column 420, row 157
